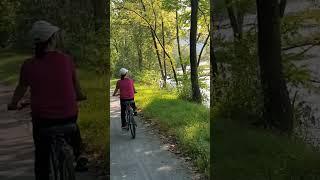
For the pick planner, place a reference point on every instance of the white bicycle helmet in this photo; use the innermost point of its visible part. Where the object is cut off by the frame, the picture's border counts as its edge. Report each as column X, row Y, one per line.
column 123, row 71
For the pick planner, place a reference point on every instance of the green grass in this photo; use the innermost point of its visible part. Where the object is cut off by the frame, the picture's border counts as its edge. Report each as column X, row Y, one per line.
column 93, row 114
column 113, row 83
column 10, row 63
column 186, row 121
column 244, row 153
column 93, row 117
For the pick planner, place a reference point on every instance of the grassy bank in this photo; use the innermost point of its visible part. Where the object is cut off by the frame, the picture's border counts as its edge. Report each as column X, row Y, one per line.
column 186, row 121
column 247, row 153
column 92, row 117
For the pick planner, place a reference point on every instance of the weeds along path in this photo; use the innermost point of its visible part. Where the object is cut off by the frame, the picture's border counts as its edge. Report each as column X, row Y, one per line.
column 16, row 144
column 143, row 158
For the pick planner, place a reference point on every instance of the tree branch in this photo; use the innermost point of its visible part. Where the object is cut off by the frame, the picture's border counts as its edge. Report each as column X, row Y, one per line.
column 204, row 44
column 312, row 44
column 314, row 81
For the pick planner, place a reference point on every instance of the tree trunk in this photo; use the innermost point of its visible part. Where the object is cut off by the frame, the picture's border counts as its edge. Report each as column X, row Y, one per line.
column 196, row 95
column 164, row 46
column 178, row 44
column 99, row 12
column 283, row 4
column 233, row 20
column 213, row 60
column 277, row 107
column 213, row 73
column 158, row 57
column 106, row 25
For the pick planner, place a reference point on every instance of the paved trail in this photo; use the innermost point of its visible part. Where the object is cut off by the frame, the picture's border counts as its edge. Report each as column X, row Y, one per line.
column 16, row 144
column 143, row 158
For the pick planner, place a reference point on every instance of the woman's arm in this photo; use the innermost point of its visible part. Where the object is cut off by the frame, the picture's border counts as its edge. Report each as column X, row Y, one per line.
column 116, row 89
column 79, row 94
column 134, row 89
column 76, row 84
column 20, row 90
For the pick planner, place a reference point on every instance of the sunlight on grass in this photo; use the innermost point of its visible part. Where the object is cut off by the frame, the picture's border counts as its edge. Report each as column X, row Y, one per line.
column 187, row 121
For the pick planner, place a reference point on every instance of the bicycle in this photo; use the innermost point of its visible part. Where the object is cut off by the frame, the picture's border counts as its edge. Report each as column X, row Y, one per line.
column 61, row 152
column 130, row 119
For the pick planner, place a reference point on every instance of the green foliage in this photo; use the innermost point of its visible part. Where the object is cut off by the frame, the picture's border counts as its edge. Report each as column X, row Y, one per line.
column 8, row 13
column 148, row 77
column 131, row 33
column 83, row 39
column 184, row 90
column 239, row 93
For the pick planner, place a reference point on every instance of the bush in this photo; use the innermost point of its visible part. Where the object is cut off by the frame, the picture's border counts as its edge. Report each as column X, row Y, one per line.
column 239, row 93
column 148, row 77
column 185, row 88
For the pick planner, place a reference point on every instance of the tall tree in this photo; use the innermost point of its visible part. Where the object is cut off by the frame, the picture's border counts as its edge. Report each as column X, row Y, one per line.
column 213, row 74
column 196, row 94
column 213, row 61
column 106, row 24
column 277, row 106
column 178, row 42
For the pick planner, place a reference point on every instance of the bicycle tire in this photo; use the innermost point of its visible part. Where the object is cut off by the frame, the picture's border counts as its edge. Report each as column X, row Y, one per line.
column 127, row 120
column 67, row 169
column 61, row 159
column 132, row 127
column 54, row 174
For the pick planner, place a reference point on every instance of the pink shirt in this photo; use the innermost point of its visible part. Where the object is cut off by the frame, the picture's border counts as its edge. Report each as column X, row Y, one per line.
column 126, row 87
column 51, row 85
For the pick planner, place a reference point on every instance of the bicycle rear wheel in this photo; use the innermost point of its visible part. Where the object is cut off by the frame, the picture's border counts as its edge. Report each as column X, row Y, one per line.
column 61, row 152
column 132, row 127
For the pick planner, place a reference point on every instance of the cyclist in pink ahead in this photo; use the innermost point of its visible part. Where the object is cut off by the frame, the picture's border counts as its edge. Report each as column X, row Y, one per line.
column 127, row 91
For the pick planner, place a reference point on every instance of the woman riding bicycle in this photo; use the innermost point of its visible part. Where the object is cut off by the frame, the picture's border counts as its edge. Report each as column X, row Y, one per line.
column 51, row 77
column 127, row 90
